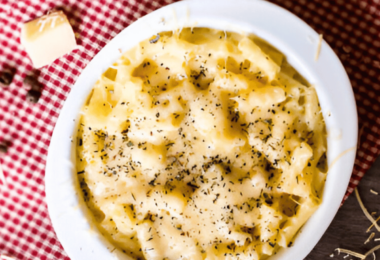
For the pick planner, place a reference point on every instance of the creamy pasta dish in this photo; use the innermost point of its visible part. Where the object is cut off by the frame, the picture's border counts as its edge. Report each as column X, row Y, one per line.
column 201, row 144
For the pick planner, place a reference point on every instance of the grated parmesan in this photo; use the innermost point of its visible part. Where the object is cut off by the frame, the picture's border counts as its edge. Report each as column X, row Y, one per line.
column 318, row 47
column 350, row 253
column 361, row 131
column 372, row 225
column 291, row 198
column 346, row 49
column 374, row 192
column 370, row 218
column 369, row 238
column 358, row 255
column 7, row 257
column 2, row 176
column 372, row 251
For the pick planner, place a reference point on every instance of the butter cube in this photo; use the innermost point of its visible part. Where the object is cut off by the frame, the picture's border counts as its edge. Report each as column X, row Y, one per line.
column 47, row 38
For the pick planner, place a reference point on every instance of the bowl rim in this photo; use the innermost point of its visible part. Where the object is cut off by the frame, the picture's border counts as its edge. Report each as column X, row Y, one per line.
column 287, row 33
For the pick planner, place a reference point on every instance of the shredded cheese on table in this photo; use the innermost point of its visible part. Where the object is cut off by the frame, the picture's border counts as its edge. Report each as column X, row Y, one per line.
column 371, row 251
column 369, row 238
column 342, row 250
column 370, row 218
column 202, row 144
column 372, row 224
column 361, row 131
column 2, row 176
column 319, row 46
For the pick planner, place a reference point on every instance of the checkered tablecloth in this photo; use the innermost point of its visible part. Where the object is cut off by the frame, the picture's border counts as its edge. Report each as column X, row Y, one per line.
column 351, row 27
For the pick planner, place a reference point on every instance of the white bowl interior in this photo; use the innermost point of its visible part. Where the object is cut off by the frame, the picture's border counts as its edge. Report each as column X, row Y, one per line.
column 283, row 30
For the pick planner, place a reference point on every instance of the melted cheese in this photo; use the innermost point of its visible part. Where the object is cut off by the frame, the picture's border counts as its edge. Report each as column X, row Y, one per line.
column 201, row 145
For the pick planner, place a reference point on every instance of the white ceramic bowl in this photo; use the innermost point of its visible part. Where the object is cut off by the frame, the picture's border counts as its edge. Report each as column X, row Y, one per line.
column 69, row 214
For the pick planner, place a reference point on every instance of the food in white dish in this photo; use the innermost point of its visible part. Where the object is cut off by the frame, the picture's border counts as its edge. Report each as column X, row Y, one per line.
column 202, row 144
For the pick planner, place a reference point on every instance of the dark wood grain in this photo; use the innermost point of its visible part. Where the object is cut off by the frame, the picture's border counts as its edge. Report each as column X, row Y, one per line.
column 348, row 229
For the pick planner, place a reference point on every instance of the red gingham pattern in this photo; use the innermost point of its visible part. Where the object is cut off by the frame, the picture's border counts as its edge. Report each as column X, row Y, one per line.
column 351, row 27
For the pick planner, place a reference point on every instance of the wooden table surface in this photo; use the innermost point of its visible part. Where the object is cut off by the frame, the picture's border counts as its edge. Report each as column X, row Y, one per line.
column 348, row 229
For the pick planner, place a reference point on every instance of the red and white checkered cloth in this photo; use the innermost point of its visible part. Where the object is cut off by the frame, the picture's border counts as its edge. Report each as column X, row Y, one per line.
column 351, row 27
